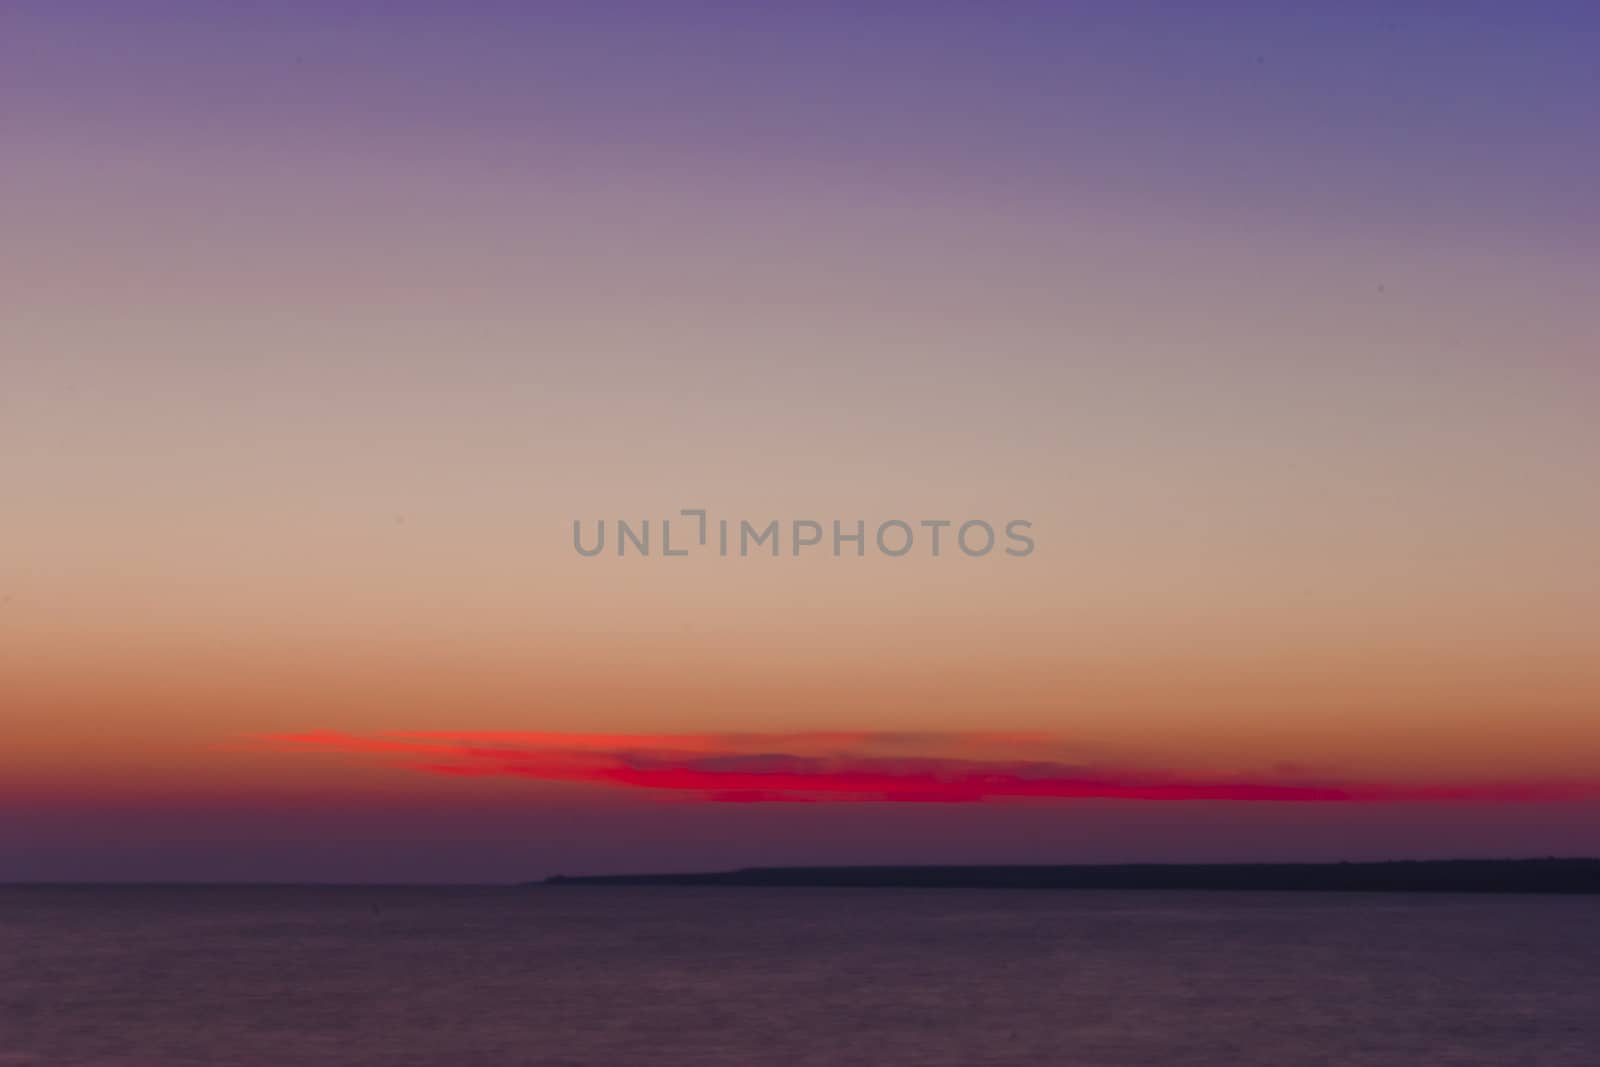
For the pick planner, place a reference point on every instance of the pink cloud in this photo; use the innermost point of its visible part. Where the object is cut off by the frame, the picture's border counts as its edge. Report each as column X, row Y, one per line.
column 866, row 766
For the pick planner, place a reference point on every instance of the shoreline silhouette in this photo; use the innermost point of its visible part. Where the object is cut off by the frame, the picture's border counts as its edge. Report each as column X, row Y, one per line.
column 1553, row 875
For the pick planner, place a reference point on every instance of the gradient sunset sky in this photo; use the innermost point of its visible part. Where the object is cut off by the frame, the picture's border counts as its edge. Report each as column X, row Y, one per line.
column 320, row 323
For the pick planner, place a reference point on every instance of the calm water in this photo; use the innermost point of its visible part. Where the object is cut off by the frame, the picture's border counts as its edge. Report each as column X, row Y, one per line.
column 621, row 976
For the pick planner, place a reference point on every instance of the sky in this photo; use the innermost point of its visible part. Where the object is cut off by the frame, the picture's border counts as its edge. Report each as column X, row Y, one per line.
column 321, row 325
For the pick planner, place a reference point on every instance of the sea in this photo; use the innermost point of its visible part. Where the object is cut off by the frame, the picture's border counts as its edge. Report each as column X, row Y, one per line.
column 703, row 977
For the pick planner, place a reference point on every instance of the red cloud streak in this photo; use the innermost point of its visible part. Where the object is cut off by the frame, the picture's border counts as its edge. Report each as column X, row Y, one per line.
column 756, row 768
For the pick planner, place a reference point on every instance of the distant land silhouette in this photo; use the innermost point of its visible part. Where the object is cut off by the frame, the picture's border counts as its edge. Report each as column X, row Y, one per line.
column 1400, row 876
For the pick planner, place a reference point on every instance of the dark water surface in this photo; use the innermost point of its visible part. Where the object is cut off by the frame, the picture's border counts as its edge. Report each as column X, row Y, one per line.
column 620, row 976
